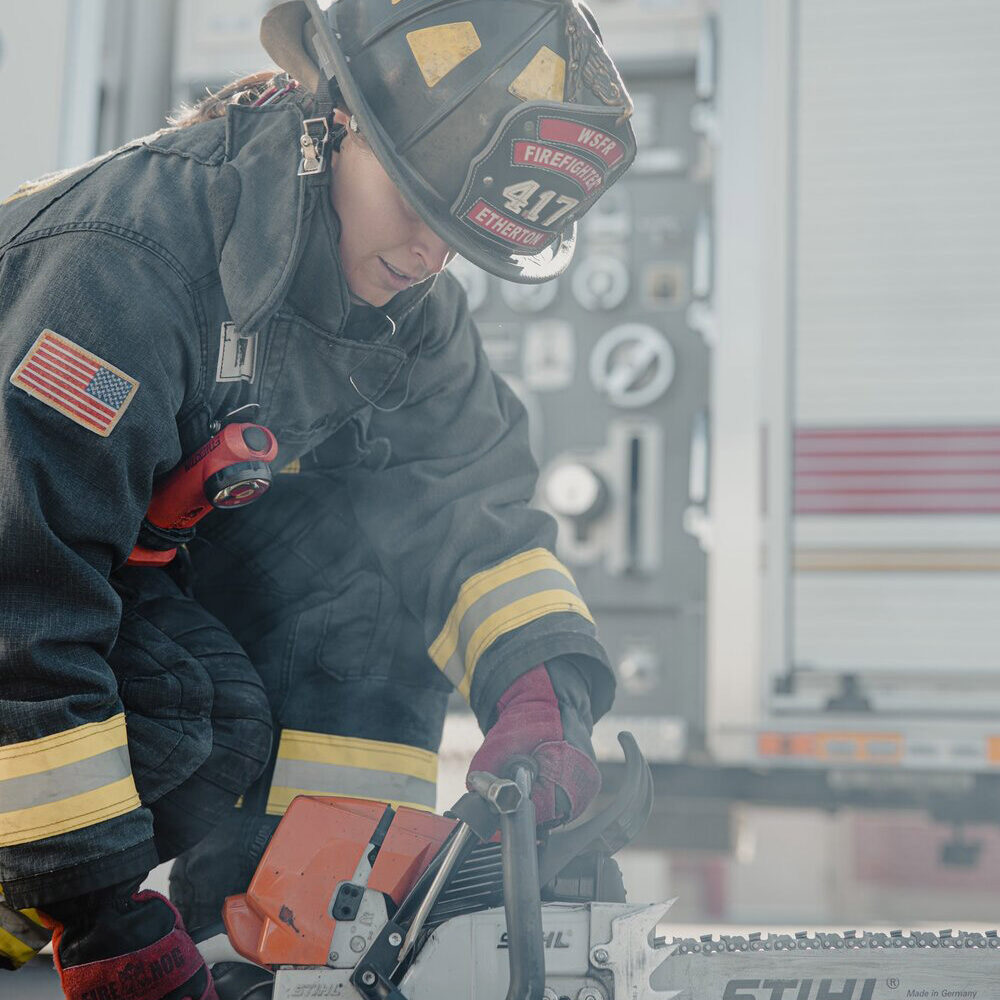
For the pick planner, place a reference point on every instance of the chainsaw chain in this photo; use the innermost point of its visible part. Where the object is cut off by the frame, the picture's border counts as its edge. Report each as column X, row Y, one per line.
column 725, row 944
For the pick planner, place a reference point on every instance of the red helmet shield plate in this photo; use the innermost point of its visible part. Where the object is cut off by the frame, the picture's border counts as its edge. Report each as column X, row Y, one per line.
column 544, row 168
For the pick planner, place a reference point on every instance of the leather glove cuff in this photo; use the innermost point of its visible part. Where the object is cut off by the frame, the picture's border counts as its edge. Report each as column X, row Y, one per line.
column 532, row 720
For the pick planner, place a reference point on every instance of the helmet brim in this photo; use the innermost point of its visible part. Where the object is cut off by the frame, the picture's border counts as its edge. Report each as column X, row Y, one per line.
column 282, row 33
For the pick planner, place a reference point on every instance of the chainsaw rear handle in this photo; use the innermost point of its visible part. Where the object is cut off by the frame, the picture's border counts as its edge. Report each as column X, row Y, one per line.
column 522, row 895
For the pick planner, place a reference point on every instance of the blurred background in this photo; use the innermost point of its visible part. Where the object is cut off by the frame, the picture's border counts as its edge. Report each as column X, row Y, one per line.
column 766, row 404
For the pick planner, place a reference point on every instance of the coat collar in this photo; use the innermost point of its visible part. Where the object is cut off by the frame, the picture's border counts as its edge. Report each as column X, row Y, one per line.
column 278, row 218
column 264, row 237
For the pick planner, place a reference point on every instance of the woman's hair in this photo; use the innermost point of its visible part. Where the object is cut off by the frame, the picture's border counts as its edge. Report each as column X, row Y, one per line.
column 245, row 90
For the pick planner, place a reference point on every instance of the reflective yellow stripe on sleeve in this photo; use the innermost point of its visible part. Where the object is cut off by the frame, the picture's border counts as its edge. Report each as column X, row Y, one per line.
column 321, row 764
column 519, row 590
column 65, row 782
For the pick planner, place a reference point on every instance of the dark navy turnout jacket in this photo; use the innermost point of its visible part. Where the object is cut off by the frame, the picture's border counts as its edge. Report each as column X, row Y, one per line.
column 187, row 279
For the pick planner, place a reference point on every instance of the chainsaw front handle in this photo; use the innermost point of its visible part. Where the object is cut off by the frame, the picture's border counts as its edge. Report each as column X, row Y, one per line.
column 522, row 895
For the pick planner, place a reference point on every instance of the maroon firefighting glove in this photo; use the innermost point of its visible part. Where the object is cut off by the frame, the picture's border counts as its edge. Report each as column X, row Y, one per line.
column 127, row 945
column 545, row 715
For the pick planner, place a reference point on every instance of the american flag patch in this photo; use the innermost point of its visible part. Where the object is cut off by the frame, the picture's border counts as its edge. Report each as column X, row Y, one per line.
column 75, row 382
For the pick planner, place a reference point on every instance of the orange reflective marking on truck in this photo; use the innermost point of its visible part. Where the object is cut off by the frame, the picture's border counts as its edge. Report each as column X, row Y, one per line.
column 868, row 748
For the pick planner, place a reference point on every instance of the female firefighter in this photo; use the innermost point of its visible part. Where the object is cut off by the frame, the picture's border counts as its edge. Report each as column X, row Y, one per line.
column 279, row 258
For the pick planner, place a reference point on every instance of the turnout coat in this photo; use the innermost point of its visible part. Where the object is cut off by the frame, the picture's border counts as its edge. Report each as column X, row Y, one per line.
column 188, row 279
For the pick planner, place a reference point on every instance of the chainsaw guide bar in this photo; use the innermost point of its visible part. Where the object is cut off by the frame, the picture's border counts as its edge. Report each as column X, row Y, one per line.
column 869, row 965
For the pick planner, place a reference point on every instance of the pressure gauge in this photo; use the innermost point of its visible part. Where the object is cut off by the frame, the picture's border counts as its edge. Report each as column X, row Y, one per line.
column 472, row 279
column 529, row 298
column 633, row 365
column 600, row 282
column 640, row 670
column 574, row 490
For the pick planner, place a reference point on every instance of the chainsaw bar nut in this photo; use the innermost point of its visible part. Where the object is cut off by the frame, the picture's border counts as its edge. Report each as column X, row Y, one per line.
column 600, row 956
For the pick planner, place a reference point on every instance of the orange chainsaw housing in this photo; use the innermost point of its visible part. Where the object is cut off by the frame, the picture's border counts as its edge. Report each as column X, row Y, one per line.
column 284, row 916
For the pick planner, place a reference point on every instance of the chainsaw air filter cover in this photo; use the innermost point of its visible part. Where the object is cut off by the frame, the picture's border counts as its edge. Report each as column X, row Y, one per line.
column 325, row 857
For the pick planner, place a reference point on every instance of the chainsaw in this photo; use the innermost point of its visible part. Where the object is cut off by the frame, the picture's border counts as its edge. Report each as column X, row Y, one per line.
column 357, row 900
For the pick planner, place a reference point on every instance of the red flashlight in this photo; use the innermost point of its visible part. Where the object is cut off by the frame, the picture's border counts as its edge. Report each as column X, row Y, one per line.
column 229, row 470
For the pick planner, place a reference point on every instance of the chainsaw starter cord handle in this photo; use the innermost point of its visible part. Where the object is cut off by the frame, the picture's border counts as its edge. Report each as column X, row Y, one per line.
column 522, row 896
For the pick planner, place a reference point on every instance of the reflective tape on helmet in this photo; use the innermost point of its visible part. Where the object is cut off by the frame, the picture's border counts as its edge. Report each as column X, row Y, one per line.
column 492, row 221
column 322, row 764
column 22, row 935
column 492, row 603
column 560, row 161
column 438, row 50
column 66, row 781
column 543, row 79
column 583, row 136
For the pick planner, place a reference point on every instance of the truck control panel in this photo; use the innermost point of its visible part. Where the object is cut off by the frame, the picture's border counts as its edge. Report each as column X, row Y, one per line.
column 615, row 381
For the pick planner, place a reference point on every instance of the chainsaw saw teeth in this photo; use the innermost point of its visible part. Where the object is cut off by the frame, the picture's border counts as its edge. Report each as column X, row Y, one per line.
column 850, row 966
column 356, row 900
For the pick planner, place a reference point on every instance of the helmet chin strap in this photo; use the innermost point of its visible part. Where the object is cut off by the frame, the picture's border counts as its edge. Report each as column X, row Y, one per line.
column 409, row 375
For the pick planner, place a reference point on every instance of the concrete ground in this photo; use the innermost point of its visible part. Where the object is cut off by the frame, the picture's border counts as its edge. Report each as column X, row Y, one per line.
column 36, row 981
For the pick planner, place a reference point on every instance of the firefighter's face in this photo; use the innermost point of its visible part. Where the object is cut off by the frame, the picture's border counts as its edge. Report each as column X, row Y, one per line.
column 385, row 246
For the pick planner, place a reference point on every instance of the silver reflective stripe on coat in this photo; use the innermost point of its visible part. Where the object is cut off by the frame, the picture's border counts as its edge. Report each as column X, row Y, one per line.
column 519, row 590
column 324, row 764
column 65, row 781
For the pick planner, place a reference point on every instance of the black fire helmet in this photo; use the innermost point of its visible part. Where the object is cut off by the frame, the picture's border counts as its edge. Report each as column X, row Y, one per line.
column 501, row 121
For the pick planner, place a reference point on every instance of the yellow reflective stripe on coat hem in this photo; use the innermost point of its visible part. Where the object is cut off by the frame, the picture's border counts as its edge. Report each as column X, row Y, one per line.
column 353, row 751
column 281, row 798
column 18, row 760
column 323, row 764
column 73, row 812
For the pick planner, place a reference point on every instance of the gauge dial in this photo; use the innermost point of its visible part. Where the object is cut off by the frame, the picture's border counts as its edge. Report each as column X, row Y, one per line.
column 529, row 298
column 633, row 365
column 575, row 491
column 600, row 282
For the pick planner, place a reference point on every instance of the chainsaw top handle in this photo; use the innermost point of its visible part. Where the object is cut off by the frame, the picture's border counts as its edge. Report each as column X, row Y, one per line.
column 522, row 899
column 380, row 970
column 510, row 801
